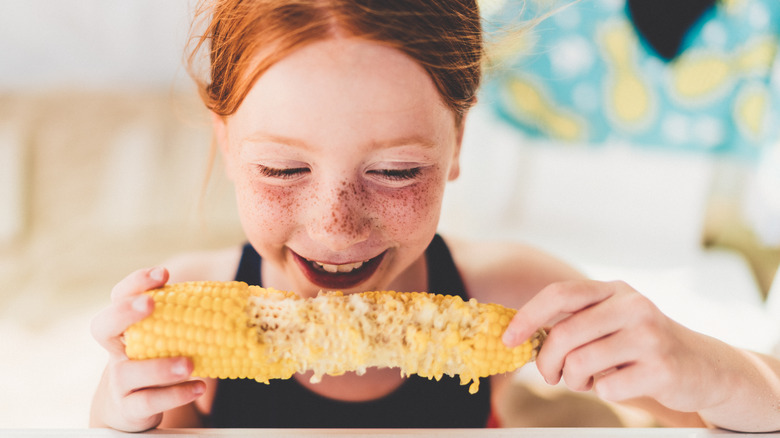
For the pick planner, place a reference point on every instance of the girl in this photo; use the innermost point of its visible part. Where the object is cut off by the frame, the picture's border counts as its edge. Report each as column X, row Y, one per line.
column 339, row 122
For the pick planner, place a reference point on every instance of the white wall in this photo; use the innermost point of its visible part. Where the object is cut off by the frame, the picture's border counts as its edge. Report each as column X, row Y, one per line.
column 92, row 44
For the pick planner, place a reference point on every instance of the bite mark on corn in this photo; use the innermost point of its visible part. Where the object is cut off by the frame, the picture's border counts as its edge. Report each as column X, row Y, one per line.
column 232, row 330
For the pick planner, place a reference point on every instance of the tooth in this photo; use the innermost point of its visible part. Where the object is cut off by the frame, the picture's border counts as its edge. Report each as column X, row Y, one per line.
column 333, row 269
column 349, row 267
column 330, row 268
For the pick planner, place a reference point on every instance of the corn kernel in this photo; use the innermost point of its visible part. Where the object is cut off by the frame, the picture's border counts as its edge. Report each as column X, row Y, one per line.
column 232, row 330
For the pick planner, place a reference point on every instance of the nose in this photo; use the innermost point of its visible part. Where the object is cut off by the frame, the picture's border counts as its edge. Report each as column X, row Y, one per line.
column 340, row 216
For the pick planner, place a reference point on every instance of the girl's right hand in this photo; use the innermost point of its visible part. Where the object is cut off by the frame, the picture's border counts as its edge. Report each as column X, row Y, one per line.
column 133, row 394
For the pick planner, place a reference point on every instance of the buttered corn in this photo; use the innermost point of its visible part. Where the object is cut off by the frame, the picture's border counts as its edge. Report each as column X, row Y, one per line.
column 232, row 330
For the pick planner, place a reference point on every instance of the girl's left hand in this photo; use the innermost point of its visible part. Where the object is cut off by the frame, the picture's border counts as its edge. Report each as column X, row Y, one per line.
column 610, row 338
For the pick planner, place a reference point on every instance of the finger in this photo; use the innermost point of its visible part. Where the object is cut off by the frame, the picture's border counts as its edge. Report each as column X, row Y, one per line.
column 628, row 382
column 598, row 358
column 140, row 281
column 150, row 402
column 579, row 330
column 553, row 302
column 130, row 375
column 108, row 325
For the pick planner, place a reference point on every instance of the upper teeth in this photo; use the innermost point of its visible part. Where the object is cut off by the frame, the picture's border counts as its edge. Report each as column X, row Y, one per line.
column 347, row 267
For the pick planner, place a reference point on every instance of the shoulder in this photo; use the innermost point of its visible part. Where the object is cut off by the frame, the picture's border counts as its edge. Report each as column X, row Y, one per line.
column 506, row 272
column 215, row 265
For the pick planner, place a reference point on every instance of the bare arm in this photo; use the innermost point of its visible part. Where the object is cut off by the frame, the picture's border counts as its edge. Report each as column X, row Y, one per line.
column 505, row 272
column 750, row 393
column 609, row 338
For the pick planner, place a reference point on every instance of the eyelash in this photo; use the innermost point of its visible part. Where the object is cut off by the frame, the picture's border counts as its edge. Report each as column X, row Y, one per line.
column 273, row 172
column 398, row 174
column 389, row 174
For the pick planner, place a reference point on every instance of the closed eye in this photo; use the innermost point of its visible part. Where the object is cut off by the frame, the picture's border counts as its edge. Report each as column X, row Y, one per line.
column 282, row 173
column 397, row 174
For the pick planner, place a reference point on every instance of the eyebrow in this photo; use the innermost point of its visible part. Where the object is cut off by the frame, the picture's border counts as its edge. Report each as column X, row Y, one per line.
column 407, row 141
column 418, row 140
column 260, row 137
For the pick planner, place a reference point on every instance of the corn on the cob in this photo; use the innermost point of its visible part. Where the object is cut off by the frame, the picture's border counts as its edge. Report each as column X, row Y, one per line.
column 231, row 330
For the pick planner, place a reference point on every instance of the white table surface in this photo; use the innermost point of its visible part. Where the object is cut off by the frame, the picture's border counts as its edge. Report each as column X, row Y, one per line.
column 509, row 432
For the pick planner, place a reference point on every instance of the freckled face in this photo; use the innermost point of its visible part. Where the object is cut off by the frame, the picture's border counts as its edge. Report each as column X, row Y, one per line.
column 339, row 156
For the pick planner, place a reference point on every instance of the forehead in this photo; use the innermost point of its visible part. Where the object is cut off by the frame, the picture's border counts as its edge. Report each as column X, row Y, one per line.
column 345, row 82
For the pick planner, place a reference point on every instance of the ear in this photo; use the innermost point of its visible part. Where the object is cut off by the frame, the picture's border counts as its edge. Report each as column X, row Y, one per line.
column 219, row 126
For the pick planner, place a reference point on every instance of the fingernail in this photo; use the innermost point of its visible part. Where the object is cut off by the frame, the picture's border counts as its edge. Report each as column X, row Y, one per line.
column 508, row 338
column 179, row 368
column 156, row 274
column 198, row 389
column 141, row 304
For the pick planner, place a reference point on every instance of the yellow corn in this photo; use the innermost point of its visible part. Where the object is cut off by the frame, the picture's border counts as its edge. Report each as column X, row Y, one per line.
column 232, row 330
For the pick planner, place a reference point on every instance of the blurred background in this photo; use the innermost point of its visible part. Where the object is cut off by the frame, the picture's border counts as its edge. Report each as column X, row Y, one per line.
column 104, row 156
column 104, row 150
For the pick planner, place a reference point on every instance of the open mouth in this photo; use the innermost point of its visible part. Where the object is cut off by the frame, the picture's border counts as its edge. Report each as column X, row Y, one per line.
column 336, row 277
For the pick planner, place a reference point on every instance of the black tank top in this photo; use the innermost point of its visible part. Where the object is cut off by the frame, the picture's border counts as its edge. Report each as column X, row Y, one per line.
column 417, row 403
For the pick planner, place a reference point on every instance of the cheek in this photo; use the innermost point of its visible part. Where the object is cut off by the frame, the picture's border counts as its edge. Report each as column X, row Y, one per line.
column 266, row 211
column 413, row 211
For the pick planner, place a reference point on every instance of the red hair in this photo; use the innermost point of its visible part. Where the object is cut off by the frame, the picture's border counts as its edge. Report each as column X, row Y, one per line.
column 443, row 36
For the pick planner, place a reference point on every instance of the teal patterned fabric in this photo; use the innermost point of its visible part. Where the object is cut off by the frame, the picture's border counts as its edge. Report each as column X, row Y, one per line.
column 584, row 75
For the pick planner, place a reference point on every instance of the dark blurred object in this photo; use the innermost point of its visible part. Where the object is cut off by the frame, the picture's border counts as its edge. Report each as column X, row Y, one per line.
column 664, row 23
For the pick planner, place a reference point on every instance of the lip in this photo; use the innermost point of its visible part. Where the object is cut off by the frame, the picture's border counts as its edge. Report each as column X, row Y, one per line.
column 340, row 280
